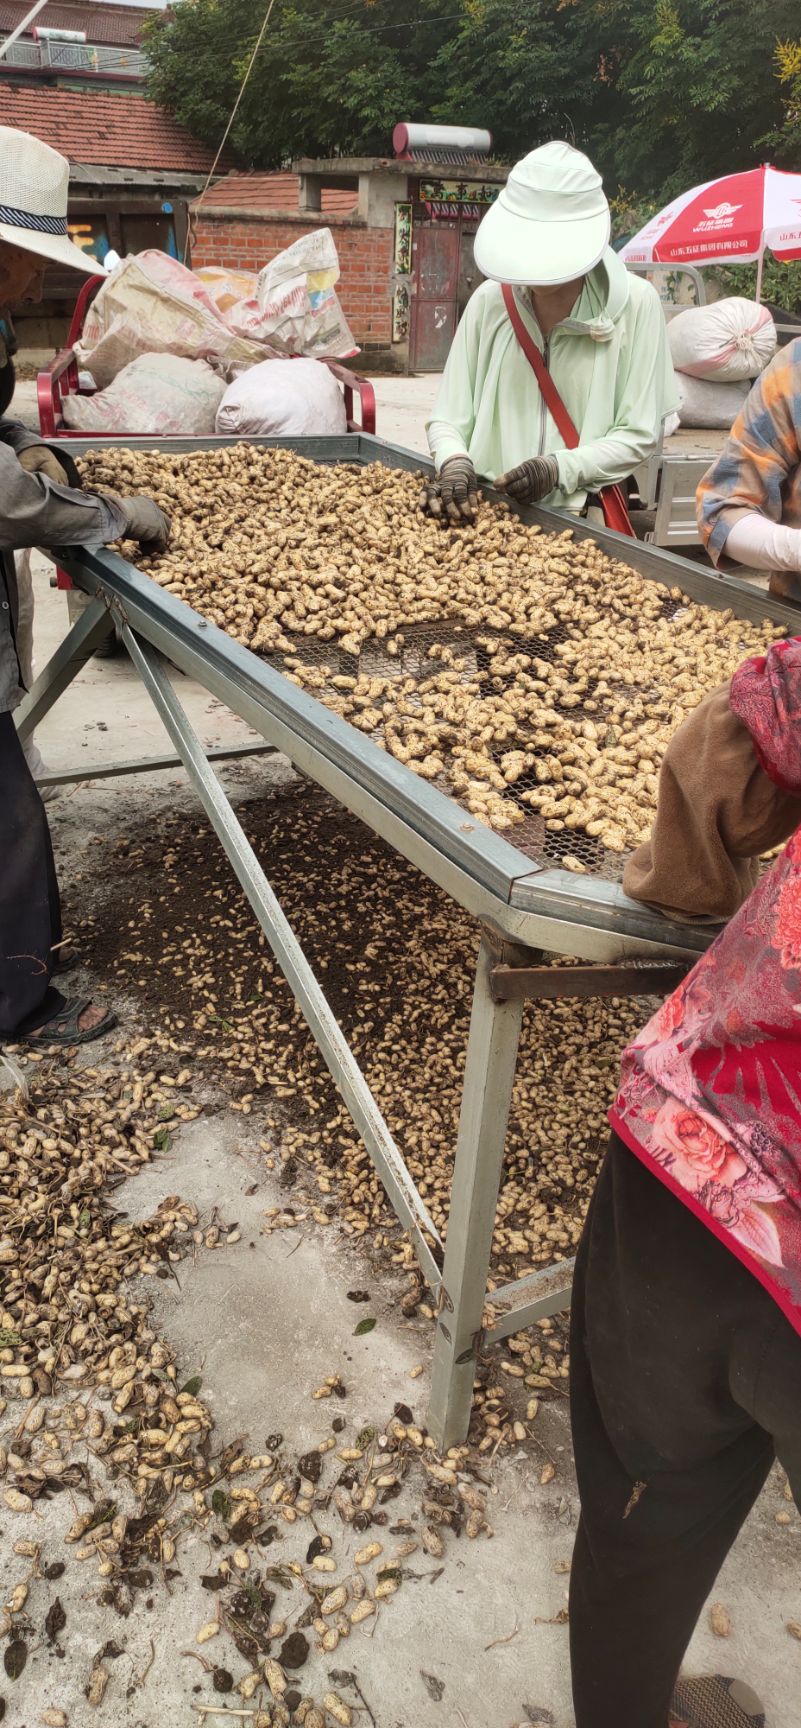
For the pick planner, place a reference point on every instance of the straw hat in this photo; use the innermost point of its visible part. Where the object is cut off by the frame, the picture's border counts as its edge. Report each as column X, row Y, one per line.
column 550, row 223
column 33, row 200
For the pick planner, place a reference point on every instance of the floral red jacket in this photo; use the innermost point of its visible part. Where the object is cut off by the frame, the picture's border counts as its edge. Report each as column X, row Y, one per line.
column 710, row 1095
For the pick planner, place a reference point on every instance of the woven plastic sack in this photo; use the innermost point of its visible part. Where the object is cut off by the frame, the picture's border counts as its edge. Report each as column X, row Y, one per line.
column 161, row 395
column 704, row 402
column 297, row 397
column 730, row 340
column 296, row 308
column 151, row 304
column 226, row 287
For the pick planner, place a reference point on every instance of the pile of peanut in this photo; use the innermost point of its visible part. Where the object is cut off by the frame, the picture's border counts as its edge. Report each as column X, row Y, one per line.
column 528, row 674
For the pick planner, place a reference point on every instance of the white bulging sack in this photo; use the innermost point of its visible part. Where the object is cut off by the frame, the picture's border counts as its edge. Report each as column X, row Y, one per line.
column 728, row 341
column 703, row 402
column 162, row 395
column 298, row 397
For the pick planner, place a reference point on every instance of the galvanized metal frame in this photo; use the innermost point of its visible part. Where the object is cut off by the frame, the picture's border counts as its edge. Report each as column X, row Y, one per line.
column 322, row 1022
column 523, row 908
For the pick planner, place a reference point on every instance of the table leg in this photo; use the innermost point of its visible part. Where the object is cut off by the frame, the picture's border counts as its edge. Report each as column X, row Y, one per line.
column 489, row 1078
column 77, row 647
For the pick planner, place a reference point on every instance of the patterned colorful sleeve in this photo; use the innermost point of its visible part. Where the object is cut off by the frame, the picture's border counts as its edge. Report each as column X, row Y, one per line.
column 762, row 450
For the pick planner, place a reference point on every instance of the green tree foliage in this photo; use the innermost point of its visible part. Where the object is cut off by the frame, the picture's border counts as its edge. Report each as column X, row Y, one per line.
column 662, row 93
column 520, row 68
column 694, row 84
column 786, row 139
column 332, row 76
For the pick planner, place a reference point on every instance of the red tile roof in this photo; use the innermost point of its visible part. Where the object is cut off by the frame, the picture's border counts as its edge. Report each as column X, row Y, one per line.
column 103, row 24
column 272, row 192
column 97, row 127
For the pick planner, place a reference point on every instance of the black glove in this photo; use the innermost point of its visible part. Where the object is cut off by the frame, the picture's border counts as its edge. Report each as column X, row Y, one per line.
column 455, row 491
column 531, row 481
column 146, row 523
column 37, row 459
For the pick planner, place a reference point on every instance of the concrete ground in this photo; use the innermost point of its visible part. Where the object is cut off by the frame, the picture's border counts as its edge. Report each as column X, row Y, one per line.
column 481, row 1644
column 403, row 407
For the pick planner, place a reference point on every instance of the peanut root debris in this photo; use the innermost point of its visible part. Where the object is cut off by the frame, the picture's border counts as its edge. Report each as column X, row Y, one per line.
column 397, row 961
column 90, row 1392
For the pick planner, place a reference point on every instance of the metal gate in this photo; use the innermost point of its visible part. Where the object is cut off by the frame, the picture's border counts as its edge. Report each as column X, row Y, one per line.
column 435, row 254
column 444, row 276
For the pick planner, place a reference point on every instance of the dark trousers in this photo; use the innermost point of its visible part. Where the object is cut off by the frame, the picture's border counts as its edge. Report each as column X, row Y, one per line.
column 30, row 914
column 685, row 1386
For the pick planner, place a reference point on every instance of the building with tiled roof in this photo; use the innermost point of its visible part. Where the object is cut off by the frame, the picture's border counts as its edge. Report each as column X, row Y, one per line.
column 110, row 131
column 133, row 174
column 403, row 226
column 106, row 24
column 73, row 42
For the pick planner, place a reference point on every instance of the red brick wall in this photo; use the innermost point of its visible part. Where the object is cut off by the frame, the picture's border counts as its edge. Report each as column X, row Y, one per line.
column 249, row 241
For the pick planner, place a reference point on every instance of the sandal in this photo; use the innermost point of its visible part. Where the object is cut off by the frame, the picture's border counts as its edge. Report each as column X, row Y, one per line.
column 64, row 1029
column 716, row 1701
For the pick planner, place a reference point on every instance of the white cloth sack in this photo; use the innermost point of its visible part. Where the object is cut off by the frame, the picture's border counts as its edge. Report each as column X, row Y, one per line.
column 158, row 393
column 703, row 402
column 298, row 397
column 729, row 340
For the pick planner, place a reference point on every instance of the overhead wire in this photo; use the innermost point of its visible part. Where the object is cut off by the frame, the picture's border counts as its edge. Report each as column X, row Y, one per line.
column 240, row 93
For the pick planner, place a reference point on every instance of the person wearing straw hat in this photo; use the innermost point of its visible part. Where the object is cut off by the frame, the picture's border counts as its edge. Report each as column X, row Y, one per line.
column 558, row 315
column 41, row 504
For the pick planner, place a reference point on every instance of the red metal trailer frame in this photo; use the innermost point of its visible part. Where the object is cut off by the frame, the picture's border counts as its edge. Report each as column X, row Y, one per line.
column 60, row 379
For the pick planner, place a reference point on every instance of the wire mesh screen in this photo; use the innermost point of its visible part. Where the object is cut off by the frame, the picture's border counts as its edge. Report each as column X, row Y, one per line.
column 321, row 667
column 535, row 677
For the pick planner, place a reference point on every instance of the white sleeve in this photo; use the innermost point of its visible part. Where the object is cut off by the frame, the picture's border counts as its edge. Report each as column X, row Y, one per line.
column 754, row 539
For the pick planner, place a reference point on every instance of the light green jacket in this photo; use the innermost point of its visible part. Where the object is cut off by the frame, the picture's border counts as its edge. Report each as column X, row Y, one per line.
column 610, row 362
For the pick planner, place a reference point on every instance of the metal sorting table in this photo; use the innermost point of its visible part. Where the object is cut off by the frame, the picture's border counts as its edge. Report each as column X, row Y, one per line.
column 525, row 908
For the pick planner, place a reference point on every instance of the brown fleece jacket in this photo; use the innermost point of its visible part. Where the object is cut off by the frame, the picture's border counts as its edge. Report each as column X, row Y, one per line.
column 717, row 813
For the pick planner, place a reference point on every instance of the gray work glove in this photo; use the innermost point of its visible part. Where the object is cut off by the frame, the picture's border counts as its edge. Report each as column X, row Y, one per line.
column 531, row 481
column 454, row 492
column 37, row 459
column 145, row 522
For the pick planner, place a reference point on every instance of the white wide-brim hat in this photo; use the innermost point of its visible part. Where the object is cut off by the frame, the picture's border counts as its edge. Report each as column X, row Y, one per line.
column 34, row 185
column 550, row 223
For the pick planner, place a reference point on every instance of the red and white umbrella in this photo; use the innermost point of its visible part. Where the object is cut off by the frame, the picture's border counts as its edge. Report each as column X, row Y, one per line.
column 733, row 220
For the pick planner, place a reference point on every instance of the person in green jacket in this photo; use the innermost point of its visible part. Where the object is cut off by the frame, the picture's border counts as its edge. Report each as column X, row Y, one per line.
column 600, row 330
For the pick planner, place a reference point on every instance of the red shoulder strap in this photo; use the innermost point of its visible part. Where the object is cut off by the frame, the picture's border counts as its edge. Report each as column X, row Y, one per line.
column 615, row 509
column 548, row 390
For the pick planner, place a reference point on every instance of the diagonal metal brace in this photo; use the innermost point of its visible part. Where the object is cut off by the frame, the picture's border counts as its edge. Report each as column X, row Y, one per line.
column 78, row 646
column 322, row 1022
